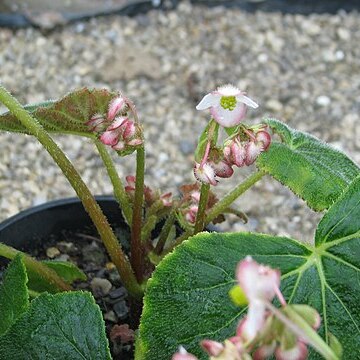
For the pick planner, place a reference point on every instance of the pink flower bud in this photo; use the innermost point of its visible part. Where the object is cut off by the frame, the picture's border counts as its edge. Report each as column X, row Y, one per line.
column 213, row 348
column 253, row 150
column 116, row 105
column 298, row 352
column 264, row 137
column 135, row 142
column 119, row 146
column 166, row 199
column 182, row 354
column 190, row 214
column 234, row 153
column 257, row 281
column 195, row 196
column 130, row 187
column 205, row 174
column 110, row 137
column 222, row 169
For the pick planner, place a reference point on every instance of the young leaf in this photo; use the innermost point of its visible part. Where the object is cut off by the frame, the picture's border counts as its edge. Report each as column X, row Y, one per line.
column 65, row 270
column 61, row 326
column 14, row 297
column 67, row 115
column 312, row 169
column 187, row 297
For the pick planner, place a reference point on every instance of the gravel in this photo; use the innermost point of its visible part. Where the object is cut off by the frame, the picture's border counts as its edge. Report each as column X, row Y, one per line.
column 304, row 70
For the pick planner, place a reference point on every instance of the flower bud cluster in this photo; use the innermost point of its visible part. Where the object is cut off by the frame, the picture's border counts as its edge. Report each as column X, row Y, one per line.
column 261, row 334
column 243, row 152
column 115, row 128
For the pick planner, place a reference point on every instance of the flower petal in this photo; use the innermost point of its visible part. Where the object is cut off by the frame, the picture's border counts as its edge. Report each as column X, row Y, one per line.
column 247, row 101
column 207, row 101
column 228, row 118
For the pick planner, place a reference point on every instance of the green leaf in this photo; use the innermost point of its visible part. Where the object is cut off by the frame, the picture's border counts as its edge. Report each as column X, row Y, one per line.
column 187, row 297
column 69, row 272
column 67, row 115
column 14, row 298
column 61, row 326
column 312, row 169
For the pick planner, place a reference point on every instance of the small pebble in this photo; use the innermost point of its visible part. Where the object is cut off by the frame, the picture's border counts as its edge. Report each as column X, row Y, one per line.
column 52, row 252
column 118, row 293
column 100, row 287
column 121, row 309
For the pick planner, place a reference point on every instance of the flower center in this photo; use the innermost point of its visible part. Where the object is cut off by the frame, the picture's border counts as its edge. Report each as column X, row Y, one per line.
column 228, row 102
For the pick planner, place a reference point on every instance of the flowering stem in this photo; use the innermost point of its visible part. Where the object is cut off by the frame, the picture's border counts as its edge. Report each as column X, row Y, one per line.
column 137, row 250
column 91, row 206
column 298, row 326
column 225, row 202
column 201, row 214
column 119, row 190
column 37, row 267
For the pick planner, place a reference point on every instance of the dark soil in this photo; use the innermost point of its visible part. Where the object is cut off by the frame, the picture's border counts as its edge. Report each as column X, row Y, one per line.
column 86, row 250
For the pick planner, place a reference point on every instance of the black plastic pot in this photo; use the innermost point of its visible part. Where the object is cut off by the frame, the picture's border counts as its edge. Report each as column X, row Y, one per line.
column 38, row 224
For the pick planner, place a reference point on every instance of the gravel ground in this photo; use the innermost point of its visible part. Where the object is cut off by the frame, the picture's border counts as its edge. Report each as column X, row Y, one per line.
column 304, row 70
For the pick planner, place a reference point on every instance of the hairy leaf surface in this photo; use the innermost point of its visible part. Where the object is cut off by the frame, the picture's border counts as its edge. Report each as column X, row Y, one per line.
column 187, row 298
column 61, row 326
column 313, row 170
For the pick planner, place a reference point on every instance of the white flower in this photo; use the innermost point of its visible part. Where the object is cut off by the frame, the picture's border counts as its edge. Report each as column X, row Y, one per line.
column 227, row 105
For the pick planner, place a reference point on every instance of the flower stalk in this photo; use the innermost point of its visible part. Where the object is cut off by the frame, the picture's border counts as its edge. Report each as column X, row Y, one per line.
column 201, row 214
column 119, row 190
column 137, row 251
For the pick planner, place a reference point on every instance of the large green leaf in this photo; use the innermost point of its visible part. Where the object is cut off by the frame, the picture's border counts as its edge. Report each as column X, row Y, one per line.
column 14, row 298
column 67, row 115
column 310, row 168
column 62, row 326
column 187, row 298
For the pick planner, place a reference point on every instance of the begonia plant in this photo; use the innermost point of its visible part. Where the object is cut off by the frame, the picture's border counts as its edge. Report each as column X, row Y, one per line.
column 180, row 278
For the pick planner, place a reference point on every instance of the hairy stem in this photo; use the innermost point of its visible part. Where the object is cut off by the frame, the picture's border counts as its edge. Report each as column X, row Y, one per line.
column 201, row 214
column 119, row 190
column 37, row 267
column 226, row 201
column 91, row 206
column 137, row 250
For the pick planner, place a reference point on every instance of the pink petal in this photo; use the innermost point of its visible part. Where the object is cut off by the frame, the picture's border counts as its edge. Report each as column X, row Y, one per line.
column 110, row 137
column 119, row 121
column 254, row 321
column 116, row 105
column 182, row 354
column 298, row 352
column 247, row 101
column 228, row 118
column 129, row 130
column 208, row 101
column 213, row 348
